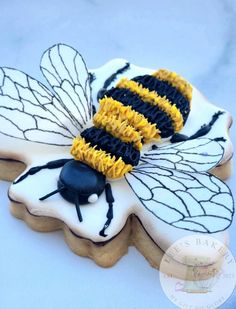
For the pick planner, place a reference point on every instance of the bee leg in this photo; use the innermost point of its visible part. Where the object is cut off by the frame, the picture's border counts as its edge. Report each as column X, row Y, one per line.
column 110, row 200
column 77, row 207
column 111, row 79
column 177, row 137
column 205, row 128
column 36, row 169
column 51, row 193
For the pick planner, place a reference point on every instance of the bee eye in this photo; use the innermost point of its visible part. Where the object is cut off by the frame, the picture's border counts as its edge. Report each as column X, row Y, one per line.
column 93, row 198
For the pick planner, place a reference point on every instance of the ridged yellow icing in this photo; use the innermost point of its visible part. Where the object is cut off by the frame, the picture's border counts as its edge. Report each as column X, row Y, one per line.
column 149, row 131
column 118, row 128
column 176, row 81
column 153, row 98
column 99, row 159
column 129, row 125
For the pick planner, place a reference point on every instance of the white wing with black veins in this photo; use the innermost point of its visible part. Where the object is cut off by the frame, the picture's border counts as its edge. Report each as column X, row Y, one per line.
column 197, row 155
column 169, row 189
column 30, row 111
column 66, row 72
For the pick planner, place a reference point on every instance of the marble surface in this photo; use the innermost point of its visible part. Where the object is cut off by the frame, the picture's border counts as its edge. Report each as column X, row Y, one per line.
column 195, row 38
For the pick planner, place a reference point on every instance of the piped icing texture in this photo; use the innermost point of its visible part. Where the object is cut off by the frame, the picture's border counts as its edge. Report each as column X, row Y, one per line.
column 99, row 159
column 114, row 146
column 146, row 109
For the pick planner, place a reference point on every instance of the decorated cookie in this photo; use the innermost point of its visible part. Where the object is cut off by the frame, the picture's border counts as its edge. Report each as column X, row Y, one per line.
column 116, row 156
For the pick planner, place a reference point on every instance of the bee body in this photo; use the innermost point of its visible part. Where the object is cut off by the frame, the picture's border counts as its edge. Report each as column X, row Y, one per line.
column 138, row 111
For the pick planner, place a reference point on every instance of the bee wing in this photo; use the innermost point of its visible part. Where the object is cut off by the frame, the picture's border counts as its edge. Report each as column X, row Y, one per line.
column 66, row 72
column 198, row 155
column 198, row 202
column 29, row 111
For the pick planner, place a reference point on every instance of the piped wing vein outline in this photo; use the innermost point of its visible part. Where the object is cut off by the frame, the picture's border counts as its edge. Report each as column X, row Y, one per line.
column 69, row 84
column 198, row 155
column 30, row 111
column 183, row 197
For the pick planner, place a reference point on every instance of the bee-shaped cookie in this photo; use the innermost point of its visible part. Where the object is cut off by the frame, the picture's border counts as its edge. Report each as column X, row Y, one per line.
column 143, row 111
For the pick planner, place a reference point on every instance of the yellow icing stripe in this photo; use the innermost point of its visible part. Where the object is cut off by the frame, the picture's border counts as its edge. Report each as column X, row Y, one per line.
column 118, row 128
column 138, row 121
column 153, row 98
column 99, row 159
column 176, row 81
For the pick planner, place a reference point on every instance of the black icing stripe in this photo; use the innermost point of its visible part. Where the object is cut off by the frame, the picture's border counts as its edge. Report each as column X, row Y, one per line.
column 105, row 141
column 152, row 113
column 163, row 88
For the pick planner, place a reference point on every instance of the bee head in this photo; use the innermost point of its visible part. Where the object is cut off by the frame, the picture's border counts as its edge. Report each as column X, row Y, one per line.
column 80, row 183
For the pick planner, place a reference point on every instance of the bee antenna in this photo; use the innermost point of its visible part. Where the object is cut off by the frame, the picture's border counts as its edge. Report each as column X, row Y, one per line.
column 77, row 206
column 51, row 193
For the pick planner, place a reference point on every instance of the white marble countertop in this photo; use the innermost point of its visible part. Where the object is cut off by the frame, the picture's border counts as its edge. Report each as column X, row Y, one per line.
column 194, row 38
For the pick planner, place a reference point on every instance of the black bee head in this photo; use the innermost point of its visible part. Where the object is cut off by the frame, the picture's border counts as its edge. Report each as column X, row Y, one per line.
column 80, row 183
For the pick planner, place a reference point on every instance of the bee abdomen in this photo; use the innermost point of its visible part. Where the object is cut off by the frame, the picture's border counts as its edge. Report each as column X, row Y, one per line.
column 164, row 88
column 118, row 128
column 133, row 113
column 113, row 108
column 152, row 113
column 99, row 159
column 105, row 141
column 175, row 81
column 154, row 99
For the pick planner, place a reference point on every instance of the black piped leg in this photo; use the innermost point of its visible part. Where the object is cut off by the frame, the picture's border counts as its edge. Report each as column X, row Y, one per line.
column 110, row 200
column 201, row 132
column 77, row 207
column 36, row 169
column 110, row 79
